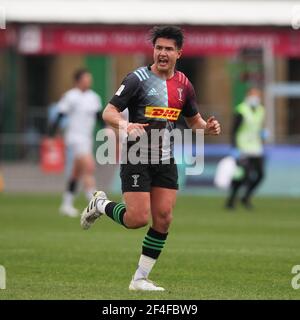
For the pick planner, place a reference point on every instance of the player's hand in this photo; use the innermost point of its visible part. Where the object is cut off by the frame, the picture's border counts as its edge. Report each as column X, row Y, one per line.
column 212, row 126
column 135, row 130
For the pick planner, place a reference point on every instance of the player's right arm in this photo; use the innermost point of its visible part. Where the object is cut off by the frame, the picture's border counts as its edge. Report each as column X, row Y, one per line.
column 119, row 102
column 54, row 126
column 112, row 116
column 63, row 106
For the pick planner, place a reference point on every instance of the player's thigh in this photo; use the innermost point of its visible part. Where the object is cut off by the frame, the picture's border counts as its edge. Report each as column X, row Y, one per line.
column 83, row 155
column 136, row 182
column 162, row 202
column 137, row 206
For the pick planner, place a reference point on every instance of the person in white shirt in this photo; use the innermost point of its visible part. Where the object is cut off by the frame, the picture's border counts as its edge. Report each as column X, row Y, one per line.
column 82, row 106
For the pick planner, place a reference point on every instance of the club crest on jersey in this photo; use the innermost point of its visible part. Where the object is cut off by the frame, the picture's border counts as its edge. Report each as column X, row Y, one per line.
column 180, row 94
column 162, row 113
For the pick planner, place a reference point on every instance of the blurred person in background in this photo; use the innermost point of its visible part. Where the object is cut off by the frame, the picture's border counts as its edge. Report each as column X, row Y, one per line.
column 247, row 142
column 82, row 106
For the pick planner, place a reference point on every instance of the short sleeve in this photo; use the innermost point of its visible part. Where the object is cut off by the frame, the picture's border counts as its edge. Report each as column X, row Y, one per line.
column 126, row 92
column 64, row 104
column 190, row 107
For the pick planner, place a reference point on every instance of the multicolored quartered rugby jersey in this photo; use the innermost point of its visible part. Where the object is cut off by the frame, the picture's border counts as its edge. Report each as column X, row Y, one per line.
column 158, row 102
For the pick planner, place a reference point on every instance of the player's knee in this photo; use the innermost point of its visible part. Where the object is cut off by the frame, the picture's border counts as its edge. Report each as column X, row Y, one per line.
column 166, row 217
column 139, row 219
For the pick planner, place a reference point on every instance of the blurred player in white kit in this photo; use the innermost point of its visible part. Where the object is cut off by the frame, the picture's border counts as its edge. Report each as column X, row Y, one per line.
column 82, row 106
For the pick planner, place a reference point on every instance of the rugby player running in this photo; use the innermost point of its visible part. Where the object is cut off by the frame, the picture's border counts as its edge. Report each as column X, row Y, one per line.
column 149, row 190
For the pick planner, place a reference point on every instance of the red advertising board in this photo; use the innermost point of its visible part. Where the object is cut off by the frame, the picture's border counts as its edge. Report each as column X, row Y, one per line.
column 52, row 155
column 7, row 37
column 127, row 40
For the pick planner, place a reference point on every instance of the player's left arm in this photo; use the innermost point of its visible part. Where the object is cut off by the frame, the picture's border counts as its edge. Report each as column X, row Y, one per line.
column 194, row 119
column 211, row 126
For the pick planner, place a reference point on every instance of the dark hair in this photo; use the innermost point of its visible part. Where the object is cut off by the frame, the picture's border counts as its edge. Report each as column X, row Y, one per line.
column 167, row 32
column 79, row 73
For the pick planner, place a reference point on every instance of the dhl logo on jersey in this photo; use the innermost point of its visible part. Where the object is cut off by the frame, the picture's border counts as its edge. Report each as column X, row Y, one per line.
column 163, row 113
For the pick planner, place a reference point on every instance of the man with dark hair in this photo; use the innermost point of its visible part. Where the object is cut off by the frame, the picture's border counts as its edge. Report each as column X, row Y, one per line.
column 167, row 32
column 78, row 74
column 155, row 96
column 82, row 106
column 247, row 143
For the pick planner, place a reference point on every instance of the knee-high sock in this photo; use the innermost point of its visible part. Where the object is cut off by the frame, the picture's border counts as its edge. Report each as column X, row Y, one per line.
column 113, row 210
column 152, row 246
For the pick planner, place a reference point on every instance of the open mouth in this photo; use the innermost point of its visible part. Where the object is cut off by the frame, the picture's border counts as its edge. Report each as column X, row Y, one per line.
column 163, row 62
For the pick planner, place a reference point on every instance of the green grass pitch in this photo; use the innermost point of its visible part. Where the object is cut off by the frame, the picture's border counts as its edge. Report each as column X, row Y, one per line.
column 210, row 253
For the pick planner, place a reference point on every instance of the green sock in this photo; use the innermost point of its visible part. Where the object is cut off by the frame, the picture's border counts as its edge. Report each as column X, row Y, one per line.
column 116, row 212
